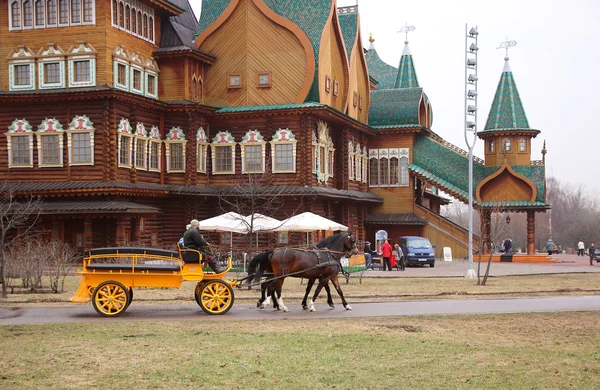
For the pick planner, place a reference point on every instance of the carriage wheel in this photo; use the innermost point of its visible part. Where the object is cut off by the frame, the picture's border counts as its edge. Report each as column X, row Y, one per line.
column 130, row 297
column 111, row 299
column 197, row 292
column 215, row 297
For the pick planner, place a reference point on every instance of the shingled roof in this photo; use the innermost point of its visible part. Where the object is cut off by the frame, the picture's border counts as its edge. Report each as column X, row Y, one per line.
column 349, row 26
column 395, row 107
column 449, row 169
column 507, row 112
column 407, row 76
column 384, row 73
column 177, row 34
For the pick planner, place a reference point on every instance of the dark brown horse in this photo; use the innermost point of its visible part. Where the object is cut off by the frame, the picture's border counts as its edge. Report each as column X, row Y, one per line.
column 260, row 266
column 323, row 264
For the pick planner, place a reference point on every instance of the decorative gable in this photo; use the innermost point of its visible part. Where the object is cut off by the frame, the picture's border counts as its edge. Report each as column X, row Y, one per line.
column 284, row 135
column 154, row 133
column 253, row 136
column 81, row 122
column 50, row 125
column 223, row 137
column 175, row 134
column 20, row 126
column 124, row 126
column 140, row 130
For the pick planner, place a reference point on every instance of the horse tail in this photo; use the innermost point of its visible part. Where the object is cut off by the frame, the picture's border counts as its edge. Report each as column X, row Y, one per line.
column 263, row 261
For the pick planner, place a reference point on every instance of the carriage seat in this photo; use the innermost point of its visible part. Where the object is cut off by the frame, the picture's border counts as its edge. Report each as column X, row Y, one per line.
column 189, row 256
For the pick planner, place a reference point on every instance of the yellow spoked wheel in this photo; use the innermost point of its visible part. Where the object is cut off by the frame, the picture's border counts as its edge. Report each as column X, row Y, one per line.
column 214, row 297
column 197, row 292
column 110, row 299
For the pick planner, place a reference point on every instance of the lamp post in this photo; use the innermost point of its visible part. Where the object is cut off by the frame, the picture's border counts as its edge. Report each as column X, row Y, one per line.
column 470, row 127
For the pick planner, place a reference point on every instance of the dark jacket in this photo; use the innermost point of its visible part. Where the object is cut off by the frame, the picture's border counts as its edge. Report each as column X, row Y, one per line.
column 367, row 249
column 592, row 250
column 192, row 239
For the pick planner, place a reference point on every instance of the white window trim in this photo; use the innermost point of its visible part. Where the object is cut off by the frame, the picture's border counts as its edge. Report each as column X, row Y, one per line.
column 154, row 138
column 92, row 65
column 14, row 132
column 124, row 135
column 325, row 144
column 93, row 22
column 351, row 160
column 116, row 62
column 365, row 167
column 358, row 163
column 137, row 6
column 223, row 139
column 10, row 19
column 75, row 129
column 140, row 135
column 58, row 14
column 201, row 156
column 146, row 77
column 388, row 154
column 35, row 25
column 249, row 140
column 44, row 130
column 136, row 68
column 41, row 73
column 11, row 75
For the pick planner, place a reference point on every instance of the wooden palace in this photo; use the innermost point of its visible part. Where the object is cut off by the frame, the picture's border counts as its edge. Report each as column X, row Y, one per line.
column 129, row 118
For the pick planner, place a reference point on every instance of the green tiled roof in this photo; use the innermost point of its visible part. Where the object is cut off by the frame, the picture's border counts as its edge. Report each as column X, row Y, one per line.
column 268, row 108
column 382, row 72
column 211, row 9
column 507, row 111
column 395, row 107
column 450, row 170
column 310, row 16
column 407, row 76
column 349, row 26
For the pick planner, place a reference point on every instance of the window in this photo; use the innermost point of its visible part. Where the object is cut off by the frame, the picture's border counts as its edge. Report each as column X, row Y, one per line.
column 351, row 160
column 327, row 83
column 125, row 143
column 121, row 75
column 365, row 165
column 506, row 145
column 27, row 14
column 50, row 143
column 63, row 12
column 127, row 18
column 223, row 153
column 140, row 150
column 234, row 80
column 283, row 151
column 336, row 88
column 20, row 144
column 283, row 238
column 88, row 11
column 151, row 85
column 253, row 152
column 40, row 15
column 522, row 145
column 136, row 80
column 151, row 28
column 15, row 14
column 324, row 153
column 358, row 163
column 175, row 148
column 202, row 148
column 139, row 24
column 133, row 17
column 80, row 139
column 145, row 21
column 115, row 10
column 81, row 71
column 491, row 146
column 121, row 15
column 75, row 11
column 155, row 150
column 51, row 73
column 264, row 79
column 22, row 75
column 355, row 99
column 360, row 103
column 51, row 13
column 389, row 168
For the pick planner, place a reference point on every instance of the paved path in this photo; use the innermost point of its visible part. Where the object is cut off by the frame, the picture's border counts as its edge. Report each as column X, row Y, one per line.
column 79, row 313
column 563, row 264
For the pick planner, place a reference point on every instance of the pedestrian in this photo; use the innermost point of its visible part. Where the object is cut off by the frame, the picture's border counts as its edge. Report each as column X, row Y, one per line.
column 580, row 248
column 181, row 245
column 368, row 257
column 550, row 247
column 401, row 257
column 592, row 253
column 386, row 253
column 508, row 245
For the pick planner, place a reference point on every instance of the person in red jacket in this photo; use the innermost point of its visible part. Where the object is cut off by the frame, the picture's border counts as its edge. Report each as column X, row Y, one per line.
column 386, row 253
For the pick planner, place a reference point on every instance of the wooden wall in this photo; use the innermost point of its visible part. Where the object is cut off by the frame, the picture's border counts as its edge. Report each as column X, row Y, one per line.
column 248, row 42
column 334, row 64
column 358, row 83
column 514, row 157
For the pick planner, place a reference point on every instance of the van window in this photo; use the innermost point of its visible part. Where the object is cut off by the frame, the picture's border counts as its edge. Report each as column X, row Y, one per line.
column 418, row 243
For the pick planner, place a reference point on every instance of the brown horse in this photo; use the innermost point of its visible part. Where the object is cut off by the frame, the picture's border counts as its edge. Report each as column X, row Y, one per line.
column 323, row 264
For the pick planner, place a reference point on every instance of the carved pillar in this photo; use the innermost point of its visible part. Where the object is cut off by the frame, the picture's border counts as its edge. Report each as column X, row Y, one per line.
column 88, row 242
column 120, row 239
column 531, row 232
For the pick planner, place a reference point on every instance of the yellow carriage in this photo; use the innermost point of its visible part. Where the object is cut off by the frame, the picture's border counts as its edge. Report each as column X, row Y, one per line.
column 110, row 274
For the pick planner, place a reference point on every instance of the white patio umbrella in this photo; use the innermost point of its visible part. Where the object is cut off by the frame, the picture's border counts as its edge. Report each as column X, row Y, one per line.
column 308, row 222
column 262, row 223
column 229, row 222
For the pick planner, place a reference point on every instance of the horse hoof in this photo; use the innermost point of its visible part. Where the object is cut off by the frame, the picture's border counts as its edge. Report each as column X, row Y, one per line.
column 313, row 309
column 348, row 307
column 304, row 307
column 285, row 309
column 261, row 307
column 331, row 305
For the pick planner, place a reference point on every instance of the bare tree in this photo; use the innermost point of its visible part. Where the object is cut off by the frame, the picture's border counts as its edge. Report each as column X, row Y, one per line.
column 497, row 231
column 17, row 217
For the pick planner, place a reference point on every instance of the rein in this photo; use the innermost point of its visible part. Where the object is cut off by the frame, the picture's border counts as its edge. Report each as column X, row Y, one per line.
column 318, row 250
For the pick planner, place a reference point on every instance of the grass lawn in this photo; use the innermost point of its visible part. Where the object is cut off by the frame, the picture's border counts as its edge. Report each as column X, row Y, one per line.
column 515, row 351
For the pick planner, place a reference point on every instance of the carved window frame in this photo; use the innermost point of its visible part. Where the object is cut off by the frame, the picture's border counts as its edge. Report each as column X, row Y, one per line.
column 125, row 144
column 174, row 140
column 283, row 137
column 223, row 139
column 140, row 138
column 201, row 150
column 155, row 142
column 48, row 128
column 21, row 57
column 82, row 52
column 351, row 162
column 230, row 81
column 358, row 163
column 253, row 139
column 22, row 130
column 522, row 145
column 365, row 165
column 80, row 124
column 259, row 77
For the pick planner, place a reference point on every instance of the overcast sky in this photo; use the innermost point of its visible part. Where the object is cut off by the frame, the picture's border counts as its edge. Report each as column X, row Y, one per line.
column 555, row 65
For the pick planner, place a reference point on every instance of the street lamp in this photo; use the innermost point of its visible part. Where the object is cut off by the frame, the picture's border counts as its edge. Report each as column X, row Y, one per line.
column 470, row 125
